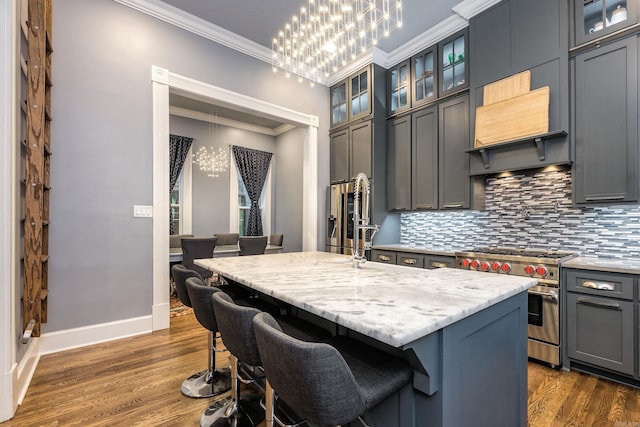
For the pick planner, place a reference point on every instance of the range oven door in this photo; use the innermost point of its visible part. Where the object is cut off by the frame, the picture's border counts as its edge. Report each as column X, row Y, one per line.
column 544, row 314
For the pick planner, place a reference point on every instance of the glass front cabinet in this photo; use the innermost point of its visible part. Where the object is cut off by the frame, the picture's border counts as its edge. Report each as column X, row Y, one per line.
column 596, row 18
column 424, row 77
column 398, row 89
column 454, row 73
column 351, row 98
column 436, row 72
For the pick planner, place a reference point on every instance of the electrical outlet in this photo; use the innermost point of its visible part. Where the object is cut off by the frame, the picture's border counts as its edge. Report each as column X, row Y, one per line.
column 142, row 211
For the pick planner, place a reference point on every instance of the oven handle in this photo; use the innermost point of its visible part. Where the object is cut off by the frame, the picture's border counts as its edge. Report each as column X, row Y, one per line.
column 551, row 295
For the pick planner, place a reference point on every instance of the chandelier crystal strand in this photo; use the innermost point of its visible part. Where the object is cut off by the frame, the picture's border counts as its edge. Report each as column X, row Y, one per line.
column 326, row 34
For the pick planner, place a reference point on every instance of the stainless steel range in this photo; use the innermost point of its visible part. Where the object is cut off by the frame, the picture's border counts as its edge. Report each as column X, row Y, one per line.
column 544, row 299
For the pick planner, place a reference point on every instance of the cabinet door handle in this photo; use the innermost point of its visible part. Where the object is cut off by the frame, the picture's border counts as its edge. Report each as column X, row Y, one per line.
column 452, row 205
column 439, row 265
column 601, row 286
column 424, row 206
column 610, row 305
column 602, row 198
column 384, row 258
column 409, row 261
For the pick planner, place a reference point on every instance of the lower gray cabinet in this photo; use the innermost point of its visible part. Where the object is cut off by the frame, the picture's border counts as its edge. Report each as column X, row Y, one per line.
column 385, row 257
column 600, row 320
column 411, row 259
column 600, row 332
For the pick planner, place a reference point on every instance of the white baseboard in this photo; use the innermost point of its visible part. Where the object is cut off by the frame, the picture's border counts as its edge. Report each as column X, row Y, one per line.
column 54, row 342
column 24, row 371
column 160, row 314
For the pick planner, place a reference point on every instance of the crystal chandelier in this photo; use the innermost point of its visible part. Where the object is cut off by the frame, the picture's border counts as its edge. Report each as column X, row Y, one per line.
column 211, row 161
column 328, row 33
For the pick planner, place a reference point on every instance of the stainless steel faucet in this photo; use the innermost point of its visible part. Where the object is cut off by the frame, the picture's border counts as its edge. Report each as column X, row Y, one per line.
column 362, row 223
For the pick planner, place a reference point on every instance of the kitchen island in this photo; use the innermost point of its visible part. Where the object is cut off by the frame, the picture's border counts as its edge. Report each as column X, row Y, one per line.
column 463, row 332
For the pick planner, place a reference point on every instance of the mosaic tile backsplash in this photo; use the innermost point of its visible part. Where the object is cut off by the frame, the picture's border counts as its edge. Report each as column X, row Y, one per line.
column 532, row 210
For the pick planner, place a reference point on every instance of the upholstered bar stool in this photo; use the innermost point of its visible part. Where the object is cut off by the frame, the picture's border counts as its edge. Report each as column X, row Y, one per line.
column 330, row 383
column 236, row 327
column 211, row 382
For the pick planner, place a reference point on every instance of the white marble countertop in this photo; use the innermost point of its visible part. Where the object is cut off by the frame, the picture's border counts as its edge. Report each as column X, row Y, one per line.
column 614, row 265
column 429, row 250
column 393, row 304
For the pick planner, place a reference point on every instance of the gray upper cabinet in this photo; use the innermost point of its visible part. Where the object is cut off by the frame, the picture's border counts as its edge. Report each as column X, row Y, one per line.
column 360, row 138
column 399, row 161
column 594, row 19
column 454, row 182
column 605, row 95
column 339, row 148
column 424, row 167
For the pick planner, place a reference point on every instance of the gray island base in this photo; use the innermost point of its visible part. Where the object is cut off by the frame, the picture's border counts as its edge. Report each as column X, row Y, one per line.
column 463, row 332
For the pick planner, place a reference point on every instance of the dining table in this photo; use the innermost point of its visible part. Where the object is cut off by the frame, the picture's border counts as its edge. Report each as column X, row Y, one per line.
column 175, row 254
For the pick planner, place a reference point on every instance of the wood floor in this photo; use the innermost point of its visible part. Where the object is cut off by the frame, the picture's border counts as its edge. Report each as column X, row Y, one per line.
column 136, row 382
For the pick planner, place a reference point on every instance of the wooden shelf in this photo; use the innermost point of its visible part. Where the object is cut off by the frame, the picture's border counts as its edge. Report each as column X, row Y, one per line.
column 539, row 141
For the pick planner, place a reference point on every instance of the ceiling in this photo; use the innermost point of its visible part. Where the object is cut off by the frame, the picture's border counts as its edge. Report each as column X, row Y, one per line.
column 259, row 21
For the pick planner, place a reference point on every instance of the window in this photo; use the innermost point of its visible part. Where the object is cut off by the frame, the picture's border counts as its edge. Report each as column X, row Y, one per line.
column 177, row 201
column 240, row 202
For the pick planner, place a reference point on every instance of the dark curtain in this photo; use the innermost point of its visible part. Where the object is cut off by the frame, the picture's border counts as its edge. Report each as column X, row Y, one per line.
column 178, row 149
column 253, row 166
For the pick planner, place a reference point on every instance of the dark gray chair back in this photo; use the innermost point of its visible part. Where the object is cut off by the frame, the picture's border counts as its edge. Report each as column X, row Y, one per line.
column 225, row 239
column 175, row 240
column 180, row 275
column 200, row 296
column 311, row 378
column 275, row 239
column 198, row 248
column 252, row 245
column 236, row 327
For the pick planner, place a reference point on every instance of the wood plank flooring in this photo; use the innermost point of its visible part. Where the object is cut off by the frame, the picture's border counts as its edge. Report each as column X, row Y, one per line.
column 136, row 382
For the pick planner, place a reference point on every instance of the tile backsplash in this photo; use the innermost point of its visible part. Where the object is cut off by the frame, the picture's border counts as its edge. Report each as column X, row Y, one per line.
column 530, row 209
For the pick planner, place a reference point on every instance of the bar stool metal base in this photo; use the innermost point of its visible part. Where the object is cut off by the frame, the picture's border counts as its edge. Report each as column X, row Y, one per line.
column 248, row 413
column 204, row 384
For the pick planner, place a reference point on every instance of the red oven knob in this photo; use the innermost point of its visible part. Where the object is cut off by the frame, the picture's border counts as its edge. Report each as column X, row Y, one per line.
column 475, row 264
column 530, row 270
column 495, row 266
column 506, row 267
column 542, row 271
column 484, row 266
column 466, row 262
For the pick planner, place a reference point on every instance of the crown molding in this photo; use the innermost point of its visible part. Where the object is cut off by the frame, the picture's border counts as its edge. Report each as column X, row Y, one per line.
column 199, row 26
column 470, row 8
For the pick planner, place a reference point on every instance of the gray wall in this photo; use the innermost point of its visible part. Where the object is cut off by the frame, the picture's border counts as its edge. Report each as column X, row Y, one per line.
column 100, row 268
column 210, row 213
column 610, row 231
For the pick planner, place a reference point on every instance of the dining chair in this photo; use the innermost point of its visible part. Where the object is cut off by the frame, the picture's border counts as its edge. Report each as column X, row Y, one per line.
column 275, row 239
column 252, row 245
column 198, row 248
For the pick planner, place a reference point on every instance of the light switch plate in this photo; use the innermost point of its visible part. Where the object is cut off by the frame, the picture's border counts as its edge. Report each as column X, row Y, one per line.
column 142, row 211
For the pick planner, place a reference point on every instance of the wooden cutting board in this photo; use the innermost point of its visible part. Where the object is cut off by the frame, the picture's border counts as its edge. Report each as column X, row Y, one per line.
column 516, row 85
column 514, row 118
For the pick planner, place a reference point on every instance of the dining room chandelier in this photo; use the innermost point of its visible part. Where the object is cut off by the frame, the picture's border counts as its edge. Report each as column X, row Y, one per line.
column 328, row 33
column 211, row 161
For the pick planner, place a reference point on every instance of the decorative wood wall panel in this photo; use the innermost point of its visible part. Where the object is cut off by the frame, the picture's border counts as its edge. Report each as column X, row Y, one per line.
column 37, row 163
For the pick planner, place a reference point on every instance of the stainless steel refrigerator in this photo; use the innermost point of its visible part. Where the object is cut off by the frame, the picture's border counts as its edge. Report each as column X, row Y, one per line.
column 340, row 218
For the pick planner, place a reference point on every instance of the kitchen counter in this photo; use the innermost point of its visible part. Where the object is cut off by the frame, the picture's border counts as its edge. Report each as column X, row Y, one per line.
column 428, row 250
column 613, row 265
column 393, row 304
column 463, row 332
